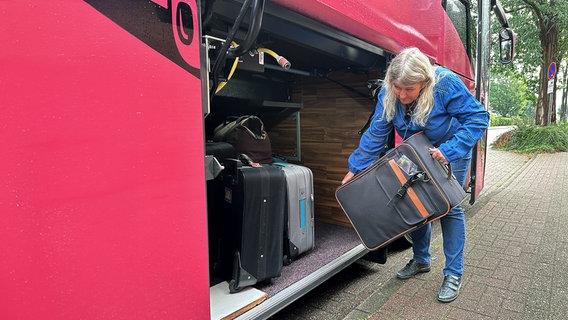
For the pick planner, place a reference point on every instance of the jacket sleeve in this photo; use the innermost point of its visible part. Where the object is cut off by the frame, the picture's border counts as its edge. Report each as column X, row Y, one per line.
column 373, row 141
column 470, row 113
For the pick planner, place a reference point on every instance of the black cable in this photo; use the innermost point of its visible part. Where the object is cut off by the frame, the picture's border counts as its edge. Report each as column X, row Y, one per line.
column 222, row 53
column 253, row 30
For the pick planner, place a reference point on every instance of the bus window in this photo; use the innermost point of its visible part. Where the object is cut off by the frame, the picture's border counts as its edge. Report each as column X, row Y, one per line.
column 459, row 14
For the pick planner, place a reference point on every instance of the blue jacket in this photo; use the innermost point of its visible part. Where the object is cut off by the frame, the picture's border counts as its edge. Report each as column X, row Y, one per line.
column 456, row 123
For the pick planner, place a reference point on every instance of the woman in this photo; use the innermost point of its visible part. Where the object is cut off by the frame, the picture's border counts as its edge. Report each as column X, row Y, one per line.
column 419, row 97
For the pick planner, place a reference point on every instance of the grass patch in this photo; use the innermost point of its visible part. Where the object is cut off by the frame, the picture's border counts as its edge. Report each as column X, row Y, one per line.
column 529, row 139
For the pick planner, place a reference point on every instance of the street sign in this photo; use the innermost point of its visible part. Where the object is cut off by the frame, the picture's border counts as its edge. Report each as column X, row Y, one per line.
column 550, row 88
column 551, row 70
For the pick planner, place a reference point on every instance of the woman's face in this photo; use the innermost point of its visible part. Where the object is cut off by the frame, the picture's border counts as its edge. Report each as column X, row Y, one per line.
column 407, row 93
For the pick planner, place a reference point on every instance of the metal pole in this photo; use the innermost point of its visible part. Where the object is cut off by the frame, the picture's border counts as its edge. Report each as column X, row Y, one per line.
column 550, row 92
column 549, row 109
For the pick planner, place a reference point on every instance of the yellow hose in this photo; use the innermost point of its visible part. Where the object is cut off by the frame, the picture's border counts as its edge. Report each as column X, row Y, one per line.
column 283, row 62
column 233, row 68
column 270, row 52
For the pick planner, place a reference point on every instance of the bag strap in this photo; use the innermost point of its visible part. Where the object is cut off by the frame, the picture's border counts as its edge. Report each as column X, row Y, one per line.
column 419, row 176
column 407, row 189
column 229, row 119
column 254, row 126
column 248, row 161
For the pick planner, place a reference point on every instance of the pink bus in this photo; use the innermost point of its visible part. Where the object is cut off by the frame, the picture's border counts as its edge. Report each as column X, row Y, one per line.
column 106, row 110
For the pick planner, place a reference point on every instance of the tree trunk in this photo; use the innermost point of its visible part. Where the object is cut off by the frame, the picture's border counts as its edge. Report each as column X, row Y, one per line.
column 549, row 43
column 541, row 111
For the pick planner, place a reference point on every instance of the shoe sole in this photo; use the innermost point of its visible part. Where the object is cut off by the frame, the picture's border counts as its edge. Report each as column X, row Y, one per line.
column 412, row 275
column 448, row 300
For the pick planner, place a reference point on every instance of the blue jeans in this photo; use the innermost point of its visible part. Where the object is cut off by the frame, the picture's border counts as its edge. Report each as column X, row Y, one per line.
column 453, row 230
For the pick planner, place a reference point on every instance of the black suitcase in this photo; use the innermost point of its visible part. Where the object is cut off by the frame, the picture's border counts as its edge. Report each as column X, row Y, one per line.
column 216, row 217
column 220, row 150
column 255, row 199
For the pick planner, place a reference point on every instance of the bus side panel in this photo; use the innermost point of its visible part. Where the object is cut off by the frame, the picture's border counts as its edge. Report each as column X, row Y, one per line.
column 393, row 26
column 479, row 159
column 102, row 189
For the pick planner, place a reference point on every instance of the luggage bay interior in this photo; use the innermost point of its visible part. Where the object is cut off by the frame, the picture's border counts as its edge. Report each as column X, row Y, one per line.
column 313, row 112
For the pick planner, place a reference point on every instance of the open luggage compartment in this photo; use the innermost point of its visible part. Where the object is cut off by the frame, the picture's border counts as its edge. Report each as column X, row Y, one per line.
column 313, row 113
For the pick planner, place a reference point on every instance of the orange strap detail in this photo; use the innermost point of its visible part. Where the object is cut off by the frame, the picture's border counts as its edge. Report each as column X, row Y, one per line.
column 409, row 191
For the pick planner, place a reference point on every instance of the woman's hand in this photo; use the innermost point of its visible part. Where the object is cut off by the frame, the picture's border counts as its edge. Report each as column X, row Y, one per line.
column 347, row 177
column 437, row 155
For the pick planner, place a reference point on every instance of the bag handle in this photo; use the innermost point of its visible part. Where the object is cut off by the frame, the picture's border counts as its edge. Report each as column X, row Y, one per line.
column 254, row 126
column 229, row 119
column 448, row 169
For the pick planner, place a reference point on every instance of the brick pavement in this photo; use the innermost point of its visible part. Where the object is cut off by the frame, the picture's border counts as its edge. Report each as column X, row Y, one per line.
column 516, row 257
column 516, row 254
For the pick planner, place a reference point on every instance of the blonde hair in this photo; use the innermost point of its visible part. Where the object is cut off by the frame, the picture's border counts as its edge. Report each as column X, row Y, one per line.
column 410, row 67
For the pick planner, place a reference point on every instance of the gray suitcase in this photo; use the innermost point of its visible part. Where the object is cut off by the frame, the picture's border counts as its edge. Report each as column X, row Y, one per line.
column 299, row 229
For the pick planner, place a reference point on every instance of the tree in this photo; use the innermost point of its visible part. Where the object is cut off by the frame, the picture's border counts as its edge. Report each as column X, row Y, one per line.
column 540, row 43
column 508, row 95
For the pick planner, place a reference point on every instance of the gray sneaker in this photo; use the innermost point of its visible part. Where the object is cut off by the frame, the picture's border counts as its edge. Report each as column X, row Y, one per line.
column 450, row 289
column 412, row 268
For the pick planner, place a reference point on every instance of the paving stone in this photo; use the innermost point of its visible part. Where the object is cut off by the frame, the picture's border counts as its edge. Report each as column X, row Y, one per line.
column 516, row 256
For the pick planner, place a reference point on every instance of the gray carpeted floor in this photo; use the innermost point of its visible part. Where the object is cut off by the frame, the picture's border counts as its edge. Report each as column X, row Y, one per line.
column 331, row 241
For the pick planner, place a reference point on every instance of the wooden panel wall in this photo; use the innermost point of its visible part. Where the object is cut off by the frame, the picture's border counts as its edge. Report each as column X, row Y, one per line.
column 330, row 121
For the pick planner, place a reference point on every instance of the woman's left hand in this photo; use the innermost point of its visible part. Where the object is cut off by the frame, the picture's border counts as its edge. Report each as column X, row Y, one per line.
column 437, row 155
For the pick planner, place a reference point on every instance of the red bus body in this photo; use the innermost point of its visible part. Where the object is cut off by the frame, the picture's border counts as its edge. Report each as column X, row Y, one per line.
column 394, row 26
column 102, row 197
column 102, row 183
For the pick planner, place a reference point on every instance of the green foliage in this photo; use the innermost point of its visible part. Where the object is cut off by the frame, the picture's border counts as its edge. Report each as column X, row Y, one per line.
column 509, row 94
column 530, row 139
column 542, row 36
column 497, row 121
column 525, row 18
column 528, row 49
